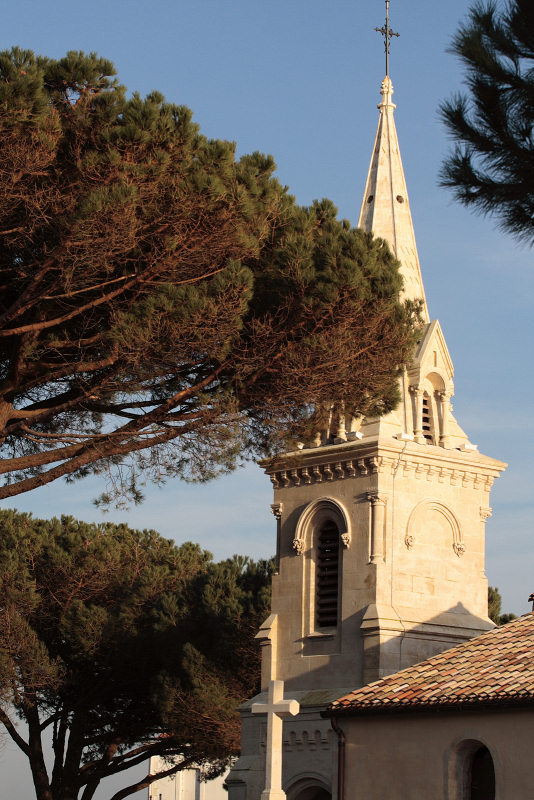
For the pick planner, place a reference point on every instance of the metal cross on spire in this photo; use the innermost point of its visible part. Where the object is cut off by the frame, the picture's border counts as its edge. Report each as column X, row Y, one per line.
column 387, row 33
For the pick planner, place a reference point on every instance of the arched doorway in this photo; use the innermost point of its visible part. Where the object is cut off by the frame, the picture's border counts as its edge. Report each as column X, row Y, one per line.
column 313, row 793
column 308, row 788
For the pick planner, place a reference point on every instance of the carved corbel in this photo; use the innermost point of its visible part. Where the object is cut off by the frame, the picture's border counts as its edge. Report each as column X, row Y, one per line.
column 362, row 467
column 317, row 474
column 346, row 539
column 431, row 472
column 375, row 462
column 277, row 509
column 485, row 513
column 459, row 548
column 298, row 546
column 295, row 477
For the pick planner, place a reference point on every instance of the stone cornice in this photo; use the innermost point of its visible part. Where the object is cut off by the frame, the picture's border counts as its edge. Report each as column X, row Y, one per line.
column 359, row 459
column 348, row 468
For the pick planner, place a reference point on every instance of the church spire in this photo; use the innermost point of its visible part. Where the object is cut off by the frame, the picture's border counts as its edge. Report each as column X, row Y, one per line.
column 385, row 208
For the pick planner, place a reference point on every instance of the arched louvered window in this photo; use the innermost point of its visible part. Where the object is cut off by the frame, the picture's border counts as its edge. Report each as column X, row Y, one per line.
column 428, row 432
column 327, row 576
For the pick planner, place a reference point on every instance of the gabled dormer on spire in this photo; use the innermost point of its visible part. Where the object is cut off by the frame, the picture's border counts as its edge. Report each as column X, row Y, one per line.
column 385, row 208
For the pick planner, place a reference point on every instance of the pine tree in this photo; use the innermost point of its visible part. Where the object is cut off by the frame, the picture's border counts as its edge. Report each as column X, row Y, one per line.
column 165, row 308
column 492, row 166
column 120, row 645
column 495, row 607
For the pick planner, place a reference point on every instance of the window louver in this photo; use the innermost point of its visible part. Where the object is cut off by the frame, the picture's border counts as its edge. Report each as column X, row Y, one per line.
column 327, row 573
column 427, row 428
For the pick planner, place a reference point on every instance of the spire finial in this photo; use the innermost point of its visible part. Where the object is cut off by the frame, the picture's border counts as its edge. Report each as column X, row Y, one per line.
column 387, row 33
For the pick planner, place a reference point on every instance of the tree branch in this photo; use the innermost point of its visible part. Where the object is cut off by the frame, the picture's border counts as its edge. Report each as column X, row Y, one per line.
column 15, row 735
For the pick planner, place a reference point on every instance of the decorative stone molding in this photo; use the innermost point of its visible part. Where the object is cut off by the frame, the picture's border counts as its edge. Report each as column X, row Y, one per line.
column 298, row 546
column 485, row 513
column 277, row 509
column 307, row 740
column 457, row 542
column 346, row 539
column 324, row 508
column 339, row 469
column 376, row 499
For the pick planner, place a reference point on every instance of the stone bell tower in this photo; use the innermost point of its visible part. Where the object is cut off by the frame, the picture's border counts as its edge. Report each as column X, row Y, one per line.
column 380, row 530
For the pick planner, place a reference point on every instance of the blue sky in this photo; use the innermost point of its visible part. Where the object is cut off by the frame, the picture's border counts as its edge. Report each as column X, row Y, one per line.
column 300, row 79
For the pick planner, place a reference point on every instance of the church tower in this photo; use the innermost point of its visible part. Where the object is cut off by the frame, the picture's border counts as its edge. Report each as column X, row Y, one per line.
column 380, row 548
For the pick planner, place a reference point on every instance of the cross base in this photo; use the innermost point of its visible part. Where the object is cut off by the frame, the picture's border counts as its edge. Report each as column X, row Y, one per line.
column 273, row 794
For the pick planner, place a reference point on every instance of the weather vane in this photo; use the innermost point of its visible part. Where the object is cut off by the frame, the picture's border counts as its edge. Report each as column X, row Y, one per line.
column 387, row 33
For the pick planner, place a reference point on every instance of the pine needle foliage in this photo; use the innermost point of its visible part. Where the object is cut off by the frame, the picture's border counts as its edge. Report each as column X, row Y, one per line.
column 167, row 309
column 492, row 167
column 495, row 607
column 119, row 645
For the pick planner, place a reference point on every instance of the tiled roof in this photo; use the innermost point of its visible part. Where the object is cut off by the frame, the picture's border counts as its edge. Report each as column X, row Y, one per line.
column 494, row 668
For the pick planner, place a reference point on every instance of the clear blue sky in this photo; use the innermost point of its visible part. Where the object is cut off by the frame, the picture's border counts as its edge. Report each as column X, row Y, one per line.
column 300, row 79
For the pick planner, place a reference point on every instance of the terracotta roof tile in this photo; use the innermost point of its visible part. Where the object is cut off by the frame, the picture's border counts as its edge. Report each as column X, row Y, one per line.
column 497, row 666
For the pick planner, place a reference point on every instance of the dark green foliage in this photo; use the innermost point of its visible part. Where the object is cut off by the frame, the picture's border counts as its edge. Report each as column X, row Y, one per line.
column 494, row 607
column 164, row 308
column 123, row 646
column 492, row 167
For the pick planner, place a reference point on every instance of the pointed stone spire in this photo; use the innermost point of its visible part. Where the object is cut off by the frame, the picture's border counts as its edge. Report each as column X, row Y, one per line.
column 385, row 208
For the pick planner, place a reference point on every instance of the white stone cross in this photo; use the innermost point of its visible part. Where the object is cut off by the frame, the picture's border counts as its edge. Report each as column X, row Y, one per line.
column 276, row 708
